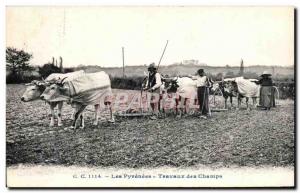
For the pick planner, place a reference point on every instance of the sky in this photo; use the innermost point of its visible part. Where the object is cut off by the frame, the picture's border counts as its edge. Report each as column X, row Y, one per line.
column 216, row 36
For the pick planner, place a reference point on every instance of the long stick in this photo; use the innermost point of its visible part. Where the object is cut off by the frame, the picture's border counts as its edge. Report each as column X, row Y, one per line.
column 141, row 100
column 209, row 111
column 162, row 54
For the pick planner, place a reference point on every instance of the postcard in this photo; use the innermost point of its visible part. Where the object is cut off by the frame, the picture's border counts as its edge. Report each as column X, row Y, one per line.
column 150, row 96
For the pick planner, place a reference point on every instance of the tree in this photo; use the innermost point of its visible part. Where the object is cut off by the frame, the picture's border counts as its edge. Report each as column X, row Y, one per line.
column 48, row 69
column 241, row 73
column 61, row 64
column 17, row 61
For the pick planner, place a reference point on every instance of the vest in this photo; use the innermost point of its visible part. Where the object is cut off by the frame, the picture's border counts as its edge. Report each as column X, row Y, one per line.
column 152, row 80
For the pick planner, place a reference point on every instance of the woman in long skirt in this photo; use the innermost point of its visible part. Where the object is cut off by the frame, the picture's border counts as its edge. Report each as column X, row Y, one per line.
column 266, row 99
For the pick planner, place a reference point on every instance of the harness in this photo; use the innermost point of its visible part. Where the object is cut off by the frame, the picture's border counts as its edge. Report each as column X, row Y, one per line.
column 71, row 89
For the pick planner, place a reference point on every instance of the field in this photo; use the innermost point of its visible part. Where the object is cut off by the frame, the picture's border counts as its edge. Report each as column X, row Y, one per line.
column 231, row 138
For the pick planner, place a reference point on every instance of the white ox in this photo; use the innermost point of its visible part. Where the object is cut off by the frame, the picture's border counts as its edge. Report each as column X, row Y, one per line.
column 184, row 87
column 36, row 88
column 89, row 89
column 245, row 88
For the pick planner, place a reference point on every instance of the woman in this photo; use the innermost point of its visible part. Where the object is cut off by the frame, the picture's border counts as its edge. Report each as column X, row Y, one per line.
column 266, row 99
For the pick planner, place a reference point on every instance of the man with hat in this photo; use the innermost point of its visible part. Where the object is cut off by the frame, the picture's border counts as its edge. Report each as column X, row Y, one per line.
column 153, row 86
column 266, row 98
column 202, row 83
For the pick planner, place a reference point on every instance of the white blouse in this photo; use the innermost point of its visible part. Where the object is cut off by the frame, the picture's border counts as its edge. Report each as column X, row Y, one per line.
column 200, row 81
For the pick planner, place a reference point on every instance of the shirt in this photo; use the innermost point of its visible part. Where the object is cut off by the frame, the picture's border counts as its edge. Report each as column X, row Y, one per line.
column 200, row 80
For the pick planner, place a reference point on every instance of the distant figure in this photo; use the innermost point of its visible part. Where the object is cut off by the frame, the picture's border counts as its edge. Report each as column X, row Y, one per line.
column 202, row 83
column 153, row 86
column 266, row 99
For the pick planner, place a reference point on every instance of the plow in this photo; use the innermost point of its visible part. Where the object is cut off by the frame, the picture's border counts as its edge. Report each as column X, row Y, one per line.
column 143, row 110
column 216, row 104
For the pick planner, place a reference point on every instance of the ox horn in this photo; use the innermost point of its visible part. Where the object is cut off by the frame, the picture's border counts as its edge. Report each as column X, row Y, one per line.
column 48, row 83
column 31, row 83
column 34, row 82
column 62, row 80
column 41, row 83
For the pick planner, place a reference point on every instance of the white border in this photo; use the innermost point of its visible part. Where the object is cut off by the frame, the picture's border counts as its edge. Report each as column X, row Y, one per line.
column 153, row 2
column 295, row 3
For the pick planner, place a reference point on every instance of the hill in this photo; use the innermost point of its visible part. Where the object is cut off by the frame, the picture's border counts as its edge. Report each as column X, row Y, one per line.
column 177, row 69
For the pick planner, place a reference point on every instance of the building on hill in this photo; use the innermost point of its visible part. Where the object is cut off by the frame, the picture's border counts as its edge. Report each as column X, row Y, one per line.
column 190, row 62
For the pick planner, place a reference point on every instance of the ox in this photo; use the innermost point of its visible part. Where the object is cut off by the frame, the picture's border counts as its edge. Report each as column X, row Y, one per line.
column 184, row 87
column 245, row 88
column 36, row 88
column 88, row 89
column 226, row 92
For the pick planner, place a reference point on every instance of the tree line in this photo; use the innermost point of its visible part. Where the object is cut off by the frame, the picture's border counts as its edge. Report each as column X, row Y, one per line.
column 19, row 69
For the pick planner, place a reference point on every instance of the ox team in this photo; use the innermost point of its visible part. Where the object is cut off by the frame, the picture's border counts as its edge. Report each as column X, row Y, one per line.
column 82, row 89
column 201, row 84
column 158, row 86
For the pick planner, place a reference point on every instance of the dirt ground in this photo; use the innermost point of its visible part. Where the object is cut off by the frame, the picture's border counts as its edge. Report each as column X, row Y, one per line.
column 239, row 138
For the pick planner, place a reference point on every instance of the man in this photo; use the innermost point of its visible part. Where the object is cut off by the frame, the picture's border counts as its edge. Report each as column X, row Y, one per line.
column 202, row 83
column 153, row 86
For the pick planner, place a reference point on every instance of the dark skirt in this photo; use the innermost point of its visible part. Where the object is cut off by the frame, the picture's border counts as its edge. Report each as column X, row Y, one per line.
column 202, row 93
column 267, row 98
